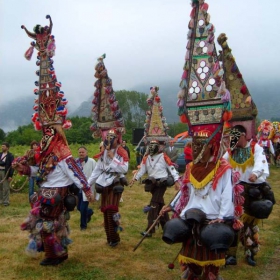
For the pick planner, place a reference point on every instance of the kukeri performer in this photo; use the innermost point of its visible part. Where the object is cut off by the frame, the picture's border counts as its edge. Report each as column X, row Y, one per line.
column 276, row 142
column 48, row 220
column 158, row 166
column 249, row 160
column 203, row 210
column 265, row 130
column 109, row 180
column 55, row 170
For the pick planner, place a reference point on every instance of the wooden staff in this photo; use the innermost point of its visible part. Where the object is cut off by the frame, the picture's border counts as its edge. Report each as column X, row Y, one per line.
column 139, row 143
column 152, row 226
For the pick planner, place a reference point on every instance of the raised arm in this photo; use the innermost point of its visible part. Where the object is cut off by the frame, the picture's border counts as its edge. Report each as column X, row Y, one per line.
column 31, row 35
column 51, row 23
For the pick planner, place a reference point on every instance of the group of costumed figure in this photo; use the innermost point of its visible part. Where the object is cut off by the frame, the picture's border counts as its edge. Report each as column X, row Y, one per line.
column 223, row 194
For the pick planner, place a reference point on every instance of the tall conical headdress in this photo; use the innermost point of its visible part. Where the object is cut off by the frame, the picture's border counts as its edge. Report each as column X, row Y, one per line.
column 106, row 113
column 155, row 126
column 50, row 105
column 50, row 111
column 244, row 110
column 204, row 100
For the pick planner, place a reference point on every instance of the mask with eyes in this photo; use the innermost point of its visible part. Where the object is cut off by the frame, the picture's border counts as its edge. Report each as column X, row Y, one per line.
column 49, row 134
column 198, row 148
column 235, row 135
column 110, row 138
column 153, row 147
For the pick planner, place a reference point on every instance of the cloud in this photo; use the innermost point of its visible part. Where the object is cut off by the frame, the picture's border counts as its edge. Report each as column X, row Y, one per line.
column 144, row 41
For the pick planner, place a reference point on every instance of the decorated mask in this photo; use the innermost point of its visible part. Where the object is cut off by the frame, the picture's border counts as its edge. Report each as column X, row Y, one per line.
column 235, row 134
column 49, row 134
column 153, row 147
column 198, row 148
column 110, row 138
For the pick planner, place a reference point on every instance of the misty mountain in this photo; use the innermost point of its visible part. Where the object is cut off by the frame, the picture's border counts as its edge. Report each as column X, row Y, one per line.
column 266, row 95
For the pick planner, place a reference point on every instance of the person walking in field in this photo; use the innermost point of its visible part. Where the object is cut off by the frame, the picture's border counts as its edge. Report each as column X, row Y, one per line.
column 6, row 173
column 204, row 226
column 248, row 161
column 88, row 165
column 108, row 177
column 158, row 166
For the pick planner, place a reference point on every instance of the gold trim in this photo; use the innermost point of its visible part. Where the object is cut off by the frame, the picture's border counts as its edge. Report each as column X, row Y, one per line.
column 206, row 180
column 219, row 262
column 242, row 166
column 245, row 218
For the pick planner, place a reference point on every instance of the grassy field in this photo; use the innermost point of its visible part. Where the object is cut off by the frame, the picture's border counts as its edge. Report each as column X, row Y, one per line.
column 90, row 257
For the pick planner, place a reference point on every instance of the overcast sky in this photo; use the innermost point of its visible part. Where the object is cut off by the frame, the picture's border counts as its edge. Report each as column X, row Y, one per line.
column 144, row 41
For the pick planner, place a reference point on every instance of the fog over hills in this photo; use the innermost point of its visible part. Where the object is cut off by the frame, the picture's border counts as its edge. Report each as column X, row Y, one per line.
column 265, row 94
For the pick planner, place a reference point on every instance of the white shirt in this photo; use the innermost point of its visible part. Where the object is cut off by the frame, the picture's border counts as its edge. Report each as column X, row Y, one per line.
column 60, row 176
column 260, row 167
column 88, row 167
column 108, row 169
column 215, row 204
column 156, row 167
column 266, row 143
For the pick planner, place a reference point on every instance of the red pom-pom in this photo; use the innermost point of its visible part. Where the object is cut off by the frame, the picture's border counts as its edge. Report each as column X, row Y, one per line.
column 239, row 75
column 238, row 210
column 192, row 14
column 37, row 125
column 23, row 226
column 67, row 124
column 58, row 84
column 34, row 117
column 60, row 94
column 108, row 89
column 204, row 7
column 243, row 89
column 157, row 99
column 183, row 118
column 171, row 266
column 227, row 116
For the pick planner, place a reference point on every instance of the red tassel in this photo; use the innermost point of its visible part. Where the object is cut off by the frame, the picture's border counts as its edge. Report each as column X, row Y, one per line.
column 67, row 124
column 183, row 118
column 29, row 52
column 243, row 89
column 227, row 116
column 171, row 266
column 157, row 99
column 37, row 125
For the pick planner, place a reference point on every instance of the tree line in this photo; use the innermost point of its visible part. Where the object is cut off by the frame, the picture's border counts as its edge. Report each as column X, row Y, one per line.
column 133, row 106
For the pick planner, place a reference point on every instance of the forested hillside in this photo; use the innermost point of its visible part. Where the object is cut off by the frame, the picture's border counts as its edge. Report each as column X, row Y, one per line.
column 266, row 95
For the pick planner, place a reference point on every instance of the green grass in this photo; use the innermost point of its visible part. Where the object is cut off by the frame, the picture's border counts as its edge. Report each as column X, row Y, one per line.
column 91, row 258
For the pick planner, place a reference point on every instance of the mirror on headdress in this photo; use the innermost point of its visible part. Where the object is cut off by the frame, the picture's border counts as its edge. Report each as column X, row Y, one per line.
column 201, row 22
